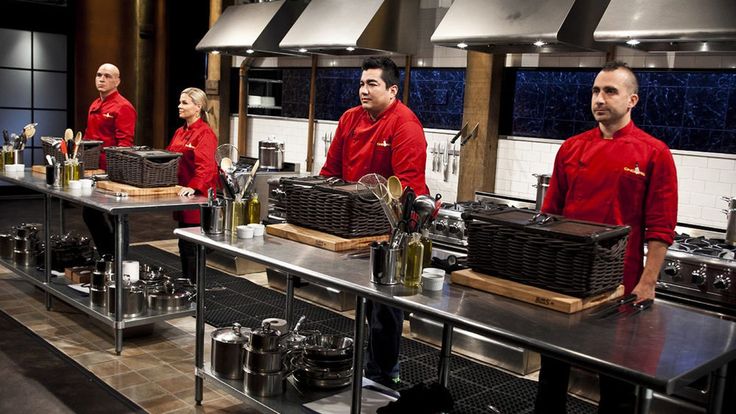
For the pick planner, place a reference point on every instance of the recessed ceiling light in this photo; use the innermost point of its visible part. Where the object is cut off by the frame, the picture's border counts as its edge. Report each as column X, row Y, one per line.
column 249, row 51
column 349, row 48
column 215, row 52
column 462, row 45
column 539, row 43
column 302, row 50
column 632, row 42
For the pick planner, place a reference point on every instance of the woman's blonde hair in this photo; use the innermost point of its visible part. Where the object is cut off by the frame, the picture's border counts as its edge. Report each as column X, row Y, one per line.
column 199, row 98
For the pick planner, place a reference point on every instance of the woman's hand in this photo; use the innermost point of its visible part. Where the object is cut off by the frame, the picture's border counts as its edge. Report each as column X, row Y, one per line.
column 186, row 191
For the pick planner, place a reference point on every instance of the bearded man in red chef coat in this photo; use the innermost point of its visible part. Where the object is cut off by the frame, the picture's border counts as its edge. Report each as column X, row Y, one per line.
column 381, row 136
column 111, row 119
column 614, row 174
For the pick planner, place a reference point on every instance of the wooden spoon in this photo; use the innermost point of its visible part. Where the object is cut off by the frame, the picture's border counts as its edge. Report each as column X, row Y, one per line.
column 394, row 187
column 77, row 143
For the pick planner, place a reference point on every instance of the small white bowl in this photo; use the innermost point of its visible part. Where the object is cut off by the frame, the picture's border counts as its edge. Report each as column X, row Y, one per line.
column 85, row 183
column 244, row 232
column 432, row 282
column 75, row 185
column 258, row 229
column 433, row 271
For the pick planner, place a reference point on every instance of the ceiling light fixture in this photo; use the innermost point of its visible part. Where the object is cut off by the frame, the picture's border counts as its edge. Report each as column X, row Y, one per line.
column 215, row 52
column 302, row 50
column 249, row 51
column 539, row 43
column 349, row 48
column 462, row 45
column 632, row 42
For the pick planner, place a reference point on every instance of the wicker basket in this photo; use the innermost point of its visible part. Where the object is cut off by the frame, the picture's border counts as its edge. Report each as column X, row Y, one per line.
column 333, row 206
column 142, row 167
column 89, row 154
column 577, row 258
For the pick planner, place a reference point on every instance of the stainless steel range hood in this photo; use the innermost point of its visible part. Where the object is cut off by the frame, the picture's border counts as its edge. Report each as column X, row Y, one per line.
column 670, row 25
column 253, row 29
column 355, row 27
column 514, row 26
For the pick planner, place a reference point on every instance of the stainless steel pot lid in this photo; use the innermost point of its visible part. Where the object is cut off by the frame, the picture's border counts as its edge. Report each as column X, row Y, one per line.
column 234, row 334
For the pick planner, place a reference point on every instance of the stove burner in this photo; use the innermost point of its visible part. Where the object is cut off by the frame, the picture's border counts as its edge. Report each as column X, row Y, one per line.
column 474, row 206
column 701, row 246
column 698, row 241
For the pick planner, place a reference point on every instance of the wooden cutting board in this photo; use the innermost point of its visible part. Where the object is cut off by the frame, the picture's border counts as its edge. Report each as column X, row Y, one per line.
column 530, row 294
column 320, row 239
column 41, row 169
column 133, row 191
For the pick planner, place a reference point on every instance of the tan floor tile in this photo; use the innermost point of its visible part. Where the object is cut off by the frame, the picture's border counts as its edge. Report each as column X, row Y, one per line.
column 163, row 404
column 125, row 380
column 140, row 362
column 153, row 345
column 142, row 392
column 30, row 317
column 174, row 355
column 176, row 384
column 186, row 366
column 72, row 350
column 226, row 405
column 55, row 331
column 159, row 372
column 207, row 393
column 106, row 369
column 94, row 357
column 17, row 309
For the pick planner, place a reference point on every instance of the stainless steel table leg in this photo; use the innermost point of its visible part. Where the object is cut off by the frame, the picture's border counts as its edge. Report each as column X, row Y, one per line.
column 61, row 216
column 358, row 354
column 717, row 396
column 199, row 335
column 47, row 243
column 290, row 300
column 445, row 353
column 643, row 400
column 119, row 325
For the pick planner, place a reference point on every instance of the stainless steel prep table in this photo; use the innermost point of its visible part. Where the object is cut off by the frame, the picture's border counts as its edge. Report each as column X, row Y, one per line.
column 661, row 349
column 118, row 207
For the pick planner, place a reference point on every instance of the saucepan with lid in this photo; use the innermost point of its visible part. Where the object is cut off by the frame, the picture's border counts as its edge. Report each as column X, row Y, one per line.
column 227, row 351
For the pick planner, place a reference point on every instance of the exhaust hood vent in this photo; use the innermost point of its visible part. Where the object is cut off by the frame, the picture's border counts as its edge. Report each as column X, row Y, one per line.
column 670, row 25
column 521, row 26
column 355, row 27
column 253, row 29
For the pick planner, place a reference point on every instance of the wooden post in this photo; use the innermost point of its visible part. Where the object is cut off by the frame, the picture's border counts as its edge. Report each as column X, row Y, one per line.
column 243, row 107
column 160, row 75
column 407, row 79
column 217, row 84
column 310, row 123
column 482, row 107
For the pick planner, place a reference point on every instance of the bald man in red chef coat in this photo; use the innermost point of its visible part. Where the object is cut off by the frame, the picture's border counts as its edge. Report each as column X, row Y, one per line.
column 111, row 119
column 614, row 174
column 381, row 136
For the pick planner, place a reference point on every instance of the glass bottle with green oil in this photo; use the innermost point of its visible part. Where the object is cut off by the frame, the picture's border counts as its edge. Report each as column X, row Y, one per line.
column 240, row 214
column 254, row 209
column 427, row 243
column 414, row 256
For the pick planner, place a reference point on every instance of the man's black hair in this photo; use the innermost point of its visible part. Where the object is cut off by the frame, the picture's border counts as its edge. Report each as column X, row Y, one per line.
column 612, row 65
column 389, row 71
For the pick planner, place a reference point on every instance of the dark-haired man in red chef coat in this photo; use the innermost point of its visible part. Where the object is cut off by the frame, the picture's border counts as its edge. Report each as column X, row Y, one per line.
column 380, row 136
column 614, row 174
column 111, row 119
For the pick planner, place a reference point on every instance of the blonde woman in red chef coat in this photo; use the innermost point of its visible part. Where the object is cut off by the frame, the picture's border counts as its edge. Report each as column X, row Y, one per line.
column 614, row 174
column 197, row 167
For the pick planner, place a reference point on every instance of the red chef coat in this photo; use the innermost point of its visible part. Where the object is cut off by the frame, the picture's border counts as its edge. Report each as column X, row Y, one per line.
column 112, row 121
column 393, row 144
column 628, row 180
column 197, row 167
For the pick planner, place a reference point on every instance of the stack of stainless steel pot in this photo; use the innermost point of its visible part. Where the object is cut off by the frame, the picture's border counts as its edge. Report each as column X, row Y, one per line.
column 265, row 371
column 7, row 244
column 326, row 362
column 171, row 294
column 98, row 282
column 134, row 297
column 226, row 355
column 25, row 245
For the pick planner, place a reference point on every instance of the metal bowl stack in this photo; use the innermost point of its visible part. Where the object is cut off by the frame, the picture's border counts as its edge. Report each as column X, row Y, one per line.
column 326, row 362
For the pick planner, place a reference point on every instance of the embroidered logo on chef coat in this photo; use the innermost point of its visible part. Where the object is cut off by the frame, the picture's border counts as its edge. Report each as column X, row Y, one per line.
column 188, row 145
column 635, row 170
column 383, row 143
column 107, row 115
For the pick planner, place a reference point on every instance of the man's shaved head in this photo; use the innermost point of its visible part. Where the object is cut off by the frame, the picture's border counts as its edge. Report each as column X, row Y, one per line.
column 631, row 82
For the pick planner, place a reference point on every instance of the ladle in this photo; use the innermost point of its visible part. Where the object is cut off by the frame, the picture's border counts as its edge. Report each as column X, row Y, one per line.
column 394, row 187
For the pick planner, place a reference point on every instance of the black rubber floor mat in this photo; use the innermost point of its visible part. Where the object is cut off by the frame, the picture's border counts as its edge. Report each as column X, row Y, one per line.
column 474, row 386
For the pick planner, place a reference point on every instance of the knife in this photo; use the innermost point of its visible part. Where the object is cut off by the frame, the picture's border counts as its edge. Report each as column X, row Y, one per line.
column 634, row 309
column 609, row 309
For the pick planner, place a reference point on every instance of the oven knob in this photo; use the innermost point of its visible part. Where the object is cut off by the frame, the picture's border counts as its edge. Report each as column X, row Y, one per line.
column 698, row 275
column 454, row 228
column 672, row 269
column 441, row 225
column 722, row 281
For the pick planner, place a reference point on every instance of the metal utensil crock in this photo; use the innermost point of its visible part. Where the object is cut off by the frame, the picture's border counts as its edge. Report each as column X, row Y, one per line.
column 227, row 351
column 271, row 154
column 731, row 217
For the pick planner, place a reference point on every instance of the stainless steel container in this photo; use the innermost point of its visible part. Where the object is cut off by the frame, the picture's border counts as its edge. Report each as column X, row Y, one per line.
column 98, row 297
column 271, row 154
column 264, row 361
column 134, row 300
column 731, row 223
column 24, row 258
column 542, row 185
column 6, row 246
column 212, row 219
column 264, row 384
column 23, row 243
column 226, row 355
column 265, row 339
column 161, row 300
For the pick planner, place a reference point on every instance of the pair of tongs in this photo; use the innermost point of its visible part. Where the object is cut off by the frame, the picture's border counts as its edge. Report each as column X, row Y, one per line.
column 608, row 310
column 634, row 309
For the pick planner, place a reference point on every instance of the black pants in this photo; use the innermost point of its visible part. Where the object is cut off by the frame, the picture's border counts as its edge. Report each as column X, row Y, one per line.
column 617, row 396
column 102, row 229
column 385, row 324
column 188, row 256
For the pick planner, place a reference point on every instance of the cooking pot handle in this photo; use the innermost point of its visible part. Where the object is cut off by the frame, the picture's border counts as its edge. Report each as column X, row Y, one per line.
column 542, row 218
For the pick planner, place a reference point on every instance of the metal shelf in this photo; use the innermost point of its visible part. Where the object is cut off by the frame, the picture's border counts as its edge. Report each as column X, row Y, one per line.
column 264, row 107
column 264, row 80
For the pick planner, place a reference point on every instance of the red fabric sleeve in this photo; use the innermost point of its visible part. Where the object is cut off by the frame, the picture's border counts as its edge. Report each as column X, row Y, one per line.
column 409, row 156
column 333, row 163
column 660, row 216
column 554, row 200
column 205, row 169
column 125, row 126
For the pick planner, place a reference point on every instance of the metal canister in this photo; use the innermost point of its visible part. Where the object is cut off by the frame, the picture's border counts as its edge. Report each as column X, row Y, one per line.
column 271, row 154
column 542, row 185
column 731, row 220
column 227, row 351
column 6, row 245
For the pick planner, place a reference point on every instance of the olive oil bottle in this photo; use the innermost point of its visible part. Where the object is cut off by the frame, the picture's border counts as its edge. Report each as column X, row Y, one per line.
column 254, row 209
column 414, row 256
